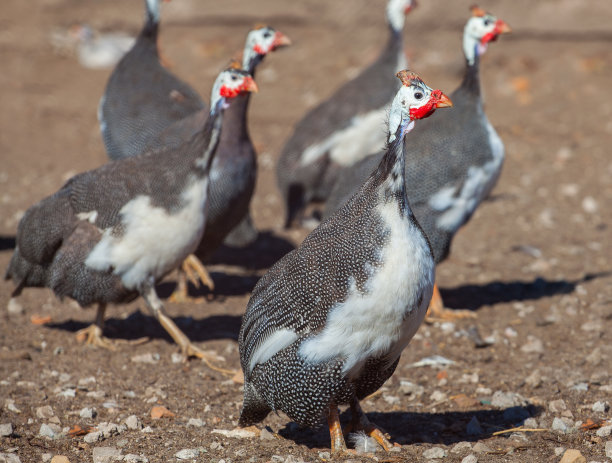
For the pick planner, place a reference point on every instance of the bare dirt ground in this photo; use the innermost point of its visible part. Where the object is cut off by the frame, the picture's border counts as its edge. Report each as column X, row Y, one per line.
column 534, row 263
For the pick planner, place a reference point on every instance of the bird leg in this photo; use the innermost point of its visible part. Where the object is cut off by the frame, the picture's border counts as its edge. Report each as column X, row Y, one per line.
column 360, row 422
column 335, row 430
column 436, row 310
column 187, row 348
column 195, row 271
column 93, row 333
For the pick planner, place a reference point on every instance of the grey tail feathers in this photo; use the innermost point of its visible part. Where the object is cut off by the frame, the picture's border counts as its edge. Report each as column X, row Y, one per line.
column 254, row 409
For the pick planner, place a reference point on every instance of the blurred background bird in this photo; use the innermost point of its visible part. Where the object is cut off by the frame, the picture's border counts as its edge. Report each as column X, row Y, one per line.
column 452, row 161
column 110, row 234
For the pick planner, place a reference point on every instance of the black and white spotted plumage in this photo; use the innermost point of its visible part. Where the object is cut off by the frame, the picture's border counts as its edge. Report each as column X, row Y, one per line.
column 344, row 128
column 452, row 162
column 327, row 323
column 234, row 170
column 112, row 232
column 142, row 97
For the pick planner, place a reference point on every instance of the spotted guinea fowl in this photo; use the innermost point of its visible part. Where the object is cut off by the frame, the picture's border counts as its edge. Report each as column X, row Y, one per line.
column 327, row 324
column 234, row 169
column 448, row 175
column 343, row 129
column 110, row 234
column 142, row 97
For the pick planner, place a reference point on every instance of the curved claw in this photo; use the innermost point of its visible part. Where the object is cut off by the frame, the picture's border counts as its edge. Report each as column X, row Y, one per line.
column 92, row 335
column 196, row 272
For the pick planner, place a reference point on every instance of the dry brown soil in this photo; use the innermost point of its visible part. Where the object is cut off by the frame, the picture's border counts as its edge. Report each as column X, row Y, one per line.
column 533, row 264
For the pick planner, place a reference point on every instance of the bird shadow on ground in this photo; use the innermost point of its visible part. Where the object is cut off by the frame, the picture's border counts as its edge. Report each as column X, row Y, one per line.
column 414, row 428
column 138, row 325
column 472, row 297
column 226, row 284
column 261, row 254
column 7, row 243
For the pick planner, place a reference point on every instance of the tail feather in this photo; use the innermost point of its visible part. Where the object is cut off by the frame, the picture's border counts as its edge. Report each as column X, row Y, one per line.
column 254, row 409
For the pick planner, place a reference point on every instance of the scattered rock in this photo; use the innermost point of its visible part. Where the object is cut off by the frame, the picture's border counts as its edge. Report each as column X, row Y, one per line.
column 601, row 407
column 51, row 431
column 105, row 454
column 580, row 387
column 433, row 361
column 133, row 458
column 14, row 307
column 11, row 407
column 6, row 429
column 146, row 358
column 502, row 399
column 187, row 454
column 60, row 459
column 479, row 447
column 589, row 205
column 473, row 427
column 608, row 449
column 265, row 434
column 197, row 422
column 132, row 422
column 93, row 437
column 471, row 458
column 560, row 425
column 88, row 413
column 534, row 379
column 159, row 411
column 557, row 406
column 533, row 345
column 240, row 433
column 45, row 412
column 391, row 399
column 531, row 423
column 67, row 393
column 438, row 396
column 411, row 389
column 605, row 431
column 86, row 382
column 325, row 456
column 435, row 453
column 147, row 429
column 461, row 447
column 9, row 458
column 572, row 456
column 46, row 457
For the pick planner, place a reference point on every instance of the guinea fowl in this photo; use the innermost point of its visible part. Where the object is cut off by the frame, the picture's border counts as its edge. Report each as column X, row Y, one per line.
column 327, row 324
column 234, row 169
column 110, row 234
column 142, row 97
column 448, row 175
column 344, row 128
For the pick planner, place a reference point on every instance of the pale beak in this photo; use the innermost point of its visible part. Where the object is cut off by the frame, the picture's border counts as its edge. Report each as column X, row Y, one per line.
column 249, row 85
column 501, row 27
column 280, row 40
column 444, row 102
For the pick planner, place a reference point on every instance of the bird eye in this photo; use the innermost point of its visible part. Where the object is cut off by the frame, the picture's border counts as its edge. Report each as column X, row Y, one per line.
column 418, row 95
column 487, row 22
column 267, row 35
column 234, row 77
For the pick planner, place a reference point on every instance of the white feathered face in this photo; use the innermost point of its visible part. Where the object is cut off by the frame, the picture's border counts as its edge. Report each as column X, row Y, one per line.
column 397, row 11
column 481, row 29
column 231, row 83
column 417, row 98
column 265, row 39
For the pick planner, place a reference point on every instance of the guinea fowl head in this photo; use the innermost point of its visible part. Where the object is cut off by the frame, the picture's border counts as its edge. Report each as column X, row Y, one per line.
column 229, row 84
column 481, row 29
column 414, row 100
column 259, row 42
column 397, row 11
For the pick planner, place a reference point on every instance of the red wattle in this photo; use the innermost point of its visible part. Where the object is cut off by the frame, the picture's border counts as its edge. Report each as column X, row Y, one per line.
column 257, row 49
column 232, row 92
column 428, row 108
